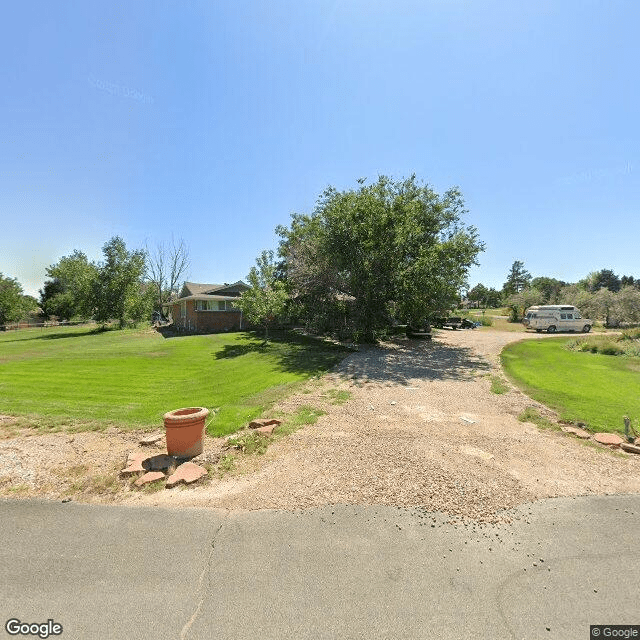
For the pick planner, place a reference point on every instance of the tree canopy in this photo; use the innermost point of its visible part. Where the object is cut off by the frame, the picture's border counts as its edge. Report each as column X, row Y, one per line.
column 485, row 296
column 13, row 305
column 388, row 250
column 265, row 301
column 118, row 290
column 517, row 279
column 69, row 292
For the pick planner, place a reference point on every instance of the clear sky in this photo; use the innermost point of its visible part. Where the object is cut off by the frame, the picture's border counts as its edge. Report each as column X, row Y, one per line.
column 212, row 121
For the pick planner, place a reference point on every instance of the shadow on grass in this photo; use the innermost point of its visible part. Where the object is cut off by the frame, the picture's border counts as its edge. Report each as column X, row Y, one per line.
column 59, row 336
column 413, row 360
column 292, row 352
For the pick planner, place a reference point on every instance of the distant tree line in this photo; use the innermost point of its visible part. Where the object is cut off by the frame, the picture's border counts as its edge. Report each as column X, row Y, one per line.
column 601, row 295
column 125, row 286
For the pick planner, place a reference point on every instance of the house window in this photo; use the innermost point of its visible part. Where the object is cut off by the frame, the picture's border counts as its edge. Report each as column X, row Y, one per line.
column 215, row 305
column 208, row 305
column 183, row 309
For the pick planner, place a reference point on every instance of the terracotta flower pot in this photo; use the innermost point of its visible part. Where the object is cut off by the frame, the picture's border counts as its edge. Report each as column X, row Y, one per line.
column 185, row 431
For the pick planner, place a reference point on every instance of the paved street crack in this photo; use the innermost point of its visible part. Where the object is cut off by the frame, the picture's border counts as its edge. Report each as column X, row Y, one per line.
column 202, row 592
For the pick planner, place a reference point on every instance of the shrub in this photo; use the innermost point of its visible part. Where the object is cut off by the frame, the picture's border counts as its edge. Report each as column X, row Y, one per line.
column 250, row 443
column 611, row 349
column 578, row 344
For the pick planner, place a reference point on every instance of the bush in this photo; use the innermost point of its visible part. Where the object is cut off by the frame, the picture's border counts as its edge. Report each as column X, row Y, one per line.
column 600, row 344
column 611, row 349
column 250, row 443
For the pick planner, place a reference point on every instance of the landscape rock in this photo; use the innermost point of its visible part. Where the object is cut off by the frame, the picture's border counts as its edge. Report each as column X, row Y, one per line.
column 266, row 431
column 631, row 448
column 150, row 476
column 608, row 438
column 264, row 422
column 134, row 464
column 187, row 472
column 152, row 439
column 576, row 431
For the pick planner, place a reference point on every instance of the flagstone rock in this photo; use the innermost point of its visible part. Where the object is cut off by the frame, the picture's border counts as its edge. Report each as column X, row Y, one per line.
column 608, row 438
column 152, row 439
column 264, row 422
column 187, row 472
column 266, row 431
column 631, row 448
column 134, row 464
column 150, row 476
column 576, row 431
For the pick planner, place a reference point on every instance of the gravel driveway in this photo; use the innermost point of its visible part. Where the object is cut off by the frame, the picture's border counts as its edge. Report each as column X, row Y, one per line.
column 421, row 428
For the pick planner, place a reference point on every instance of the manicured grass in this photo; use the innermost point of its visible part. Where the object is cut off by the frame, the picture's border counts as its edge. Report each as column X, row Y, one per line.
column 81, row 378
column 582, row 387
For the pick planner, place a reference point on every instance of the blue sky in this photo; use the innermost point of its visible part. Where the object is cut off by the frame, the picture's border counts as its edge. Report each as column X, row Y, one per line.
column 213, row 121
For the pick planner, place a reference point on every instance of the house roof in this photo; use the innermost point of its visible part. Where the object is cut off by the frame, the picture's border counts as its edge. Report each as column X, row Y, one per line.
column 197, row 288
column 202, row 296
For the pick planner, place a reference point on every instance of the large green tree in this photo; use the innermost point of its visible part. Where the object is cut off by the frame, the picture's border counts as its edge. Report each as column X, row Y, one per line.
column 389, row 249
column 550, row 288
column 485, row 296
column 518, row 279
column 12, row 303
column 603, row 279
column 119, row 291
column 265, row 301
column 69, row 291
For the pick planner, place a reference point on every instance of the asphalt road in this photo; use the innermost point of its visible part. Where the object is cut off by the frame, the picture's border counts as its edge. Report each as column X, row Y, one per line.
column 336, row 572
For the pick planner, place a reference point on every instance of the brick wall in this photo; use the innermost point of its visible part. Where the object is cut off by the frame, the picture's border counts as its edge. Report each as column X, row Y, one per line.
column 206, row 321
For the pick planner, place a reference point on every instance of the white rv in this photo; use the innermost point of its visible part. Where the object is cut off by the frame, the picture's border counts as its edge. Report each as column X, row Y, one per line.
column 555, row 317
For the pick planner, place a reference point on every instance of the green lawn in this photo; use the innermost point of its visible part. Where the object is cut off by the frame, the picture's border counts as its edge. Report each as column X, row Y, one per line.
column 80, row 378
column 586, row 387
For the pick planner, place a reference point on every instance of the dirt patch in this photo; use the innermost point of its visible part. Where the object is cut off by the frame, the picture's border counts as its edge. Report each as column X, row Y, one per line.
column 421, row 427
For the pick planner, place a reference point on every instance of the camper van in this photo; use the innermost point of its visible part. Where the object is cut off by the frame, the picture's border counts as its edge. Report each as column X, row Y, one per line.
column 555, row 317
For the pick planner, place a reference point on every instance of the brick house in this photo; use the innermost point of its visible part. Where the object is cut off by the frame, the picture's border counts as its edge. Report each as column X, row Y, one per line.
column 207, row 308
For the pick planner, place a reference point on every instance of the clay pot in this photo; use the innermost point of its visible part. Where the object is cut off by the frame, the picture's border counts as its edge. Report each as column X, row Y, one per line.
column 185, row 431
